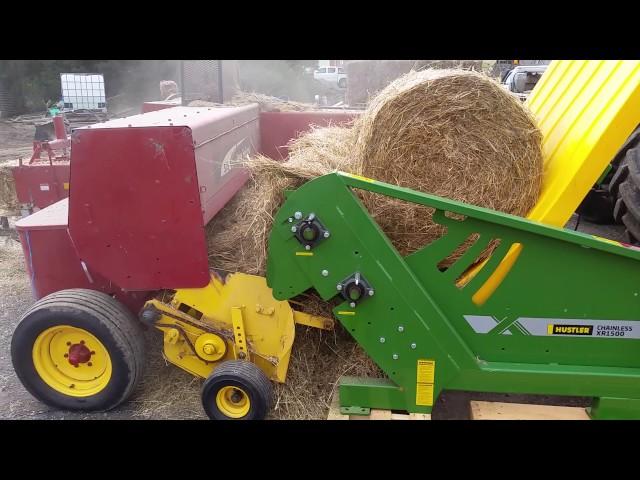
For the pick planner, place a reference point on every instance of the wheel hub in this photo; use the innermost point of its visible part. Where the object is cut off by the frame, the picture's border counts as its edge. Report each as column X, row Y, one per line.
column 79, row 353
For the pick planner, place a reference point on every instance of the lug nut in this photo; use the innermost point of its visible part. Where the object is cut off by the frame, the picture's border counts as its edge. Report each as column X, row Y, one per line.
column 66, row 355
column 413, row 346
column 68, row 344
column 298, row 215
column 325, row 273
column 89, row 364
column 395, row 356
column 326, row 234
column 401, row 329
column 382, row 340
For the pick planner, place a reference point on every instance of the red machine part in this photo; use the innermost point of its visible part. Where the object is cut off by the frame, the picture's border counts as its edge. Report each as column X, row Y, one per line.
column 53, row 263
column 278, row 128
column 41, row 184
column 142, row 195
column 145, row 186
column 160, row 105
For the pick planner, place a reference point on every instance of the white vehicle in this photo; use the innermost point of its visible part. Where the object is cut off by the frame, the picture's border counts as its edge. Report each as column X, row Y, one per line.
column 522, row 79
column 333, row 75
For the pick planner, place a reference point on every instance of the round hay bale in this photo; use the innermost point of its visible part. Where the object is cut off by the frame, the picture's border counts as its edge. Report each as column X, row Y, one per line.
column 451, row 133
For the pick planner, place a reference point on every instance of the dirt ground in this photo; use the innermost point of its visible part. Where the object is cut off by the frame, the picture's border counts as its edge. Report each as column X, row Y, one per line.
column 16, row 140
column 167, row 392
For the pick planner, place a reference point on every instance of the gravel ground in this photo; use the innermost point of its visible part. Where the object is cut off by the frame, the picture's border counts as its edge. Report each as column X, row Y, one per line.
column 166, row 391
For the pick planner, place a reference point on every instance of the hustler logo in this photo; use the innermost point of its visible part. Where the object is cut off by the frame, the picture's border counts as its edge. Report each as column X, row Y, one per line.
column 570, row 329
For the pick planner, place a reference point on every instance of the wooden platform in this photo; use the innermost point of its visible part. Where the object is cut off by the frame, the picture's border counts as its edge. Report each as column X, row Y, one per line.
column 334, row 414
column 520, row 411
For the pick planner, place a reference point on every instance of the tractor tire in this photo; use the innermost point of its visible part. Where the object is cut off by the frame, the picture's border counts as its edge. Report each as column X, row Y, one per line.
column 79, row 349
column 625, row 185
column 237, row 390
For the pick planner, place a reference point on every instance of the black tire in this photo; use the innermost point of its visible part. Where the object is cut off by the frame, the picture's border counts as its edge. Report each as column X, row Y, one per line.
column 106, row 319
column 244, row 375
column 625, row 189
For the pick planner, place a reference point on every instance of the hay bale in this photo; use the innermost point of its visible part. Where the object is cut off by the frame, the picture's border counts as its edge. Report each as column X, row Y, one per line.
column 456, row 134
column 8, row 198
column 267, row 103
column 451, row 133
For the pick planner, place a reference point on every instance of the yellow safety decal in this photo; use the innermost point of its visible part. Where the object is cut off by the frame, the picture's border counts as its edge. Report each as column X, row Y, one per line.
column 549, row 329
column 304, row 254
column 424, row 395
column 65, row 185
column 346, row 313
column 606, row 240
column 426, row 372
column 360, row 177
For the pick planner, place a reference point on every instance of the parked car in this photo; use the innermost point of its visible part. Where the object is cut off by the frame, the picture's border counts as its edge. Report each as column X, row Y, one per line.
column 522, row 79
column 334, row 75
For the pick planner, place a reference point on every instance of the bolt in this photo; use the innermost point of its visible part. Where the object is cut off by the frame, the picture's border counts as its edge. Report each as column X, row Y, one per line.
column 68, row 344
column 290, row 219
column 326, row 234
column 352, row 304
column 395, row 356
column 339, row 286
column 66, row 355
column 401, row 329
column 294, row 229
column 325, row 273
column 81, row 342
column 242, row 355
column 371, row 293
column 413, row 346
column 76, row 365
column 92, row 352
column 311, row 216
column 298, row 215
column 307, row 247
column 382, row 340
column 89, row 364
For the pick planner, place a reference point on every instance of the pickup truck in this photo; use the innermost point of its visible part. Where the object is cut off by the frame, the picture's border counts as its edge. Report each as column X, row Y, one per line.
column 333, row 75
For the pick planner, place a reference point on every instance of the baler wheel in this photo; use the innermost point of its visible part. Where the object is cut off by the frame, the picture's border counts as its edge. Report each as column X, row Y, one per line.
column 78, row 349
column 237, row 390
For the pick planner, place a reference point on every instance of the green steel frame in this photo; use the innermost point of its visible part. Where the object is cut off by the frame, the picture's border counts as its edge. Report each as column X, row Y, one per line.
column 540, row 332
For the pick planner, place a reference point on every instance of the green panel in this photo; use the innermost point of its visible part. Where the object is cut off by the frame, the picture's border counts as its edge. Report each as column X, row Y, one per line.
column 417, row 311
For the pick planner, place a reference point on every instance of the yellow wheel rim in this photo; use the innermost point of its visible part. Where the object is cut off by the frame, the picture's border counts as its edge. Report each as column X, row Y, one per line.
column 233, row 402
column 72, row 361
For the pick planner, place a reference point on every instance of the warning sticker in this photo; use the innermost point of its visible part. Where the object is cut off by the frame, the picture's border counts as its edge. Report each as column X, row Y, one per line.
column 44, row 187
column 426, row 371
column 424, row 395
